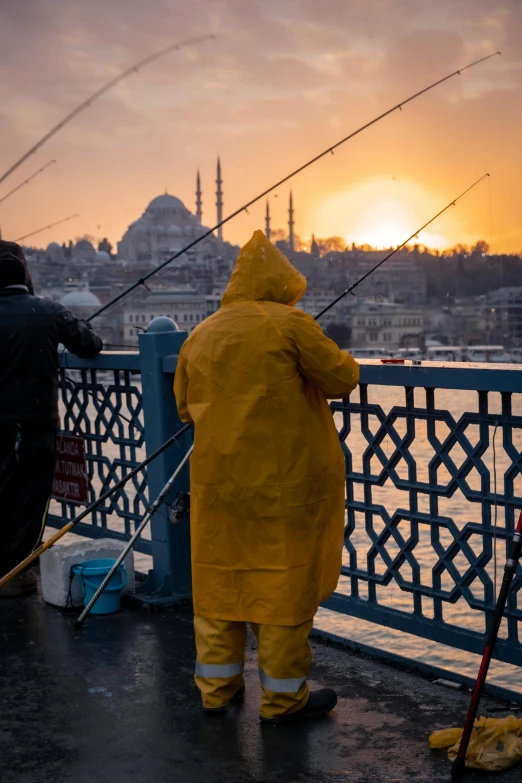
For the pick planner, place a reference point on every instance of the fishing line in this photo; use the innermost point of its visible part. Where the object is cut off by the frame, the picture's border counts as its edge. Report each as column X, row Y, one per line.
column 112, row 83
column 352, row 287
column 244, row 208
column 26, row 181
column 51, row 225
column 490, row 220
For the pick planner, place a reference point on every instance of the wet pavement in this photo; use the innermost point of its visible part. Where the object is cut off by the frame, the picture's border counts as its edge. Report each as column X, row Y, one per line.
column 116, row 703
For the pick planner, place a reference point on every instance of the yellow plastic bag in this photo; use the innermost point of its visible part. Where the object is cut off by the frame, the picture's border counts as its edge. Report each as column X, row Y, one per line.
column 495, row 744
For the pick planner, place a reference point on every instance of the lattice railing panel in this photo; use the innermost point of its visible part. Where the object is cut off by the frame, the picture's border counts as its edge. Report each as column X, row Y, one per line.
column 421, row 507
column 105, row 407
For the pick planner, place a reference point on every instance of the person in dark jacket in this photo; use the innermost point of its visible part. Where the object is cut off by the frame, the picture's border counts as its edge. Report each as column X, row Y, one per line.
column 8, row 249
column 31, row 329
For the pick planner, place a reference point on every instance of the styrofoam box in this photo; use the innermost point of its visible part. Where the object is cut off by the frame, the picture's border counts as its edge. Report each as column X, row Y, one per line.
column 55, row 567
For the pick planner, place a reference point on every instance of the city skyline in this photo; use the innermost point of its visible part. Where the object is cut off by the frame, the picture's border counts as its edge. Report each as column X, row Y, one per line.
column 254, row 96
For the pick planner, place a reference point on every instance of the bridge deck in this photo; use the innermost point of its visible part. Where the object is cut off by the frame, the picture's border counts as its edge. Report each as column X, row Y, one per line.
column 116, row 703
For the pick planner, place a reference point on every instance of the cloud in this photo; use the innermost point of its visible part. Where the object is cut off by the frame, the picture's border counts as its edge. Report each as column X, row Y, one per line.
column 282, row 79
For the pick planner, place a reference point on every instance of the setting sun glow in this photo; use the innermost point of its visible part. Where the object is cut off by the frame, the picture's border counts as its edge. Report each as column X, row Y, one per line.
column 383, row 213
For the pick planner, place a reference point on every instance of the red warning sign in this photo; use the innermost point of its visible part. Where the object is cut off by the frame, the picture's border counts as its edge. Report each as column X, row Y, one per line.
column 70, row 473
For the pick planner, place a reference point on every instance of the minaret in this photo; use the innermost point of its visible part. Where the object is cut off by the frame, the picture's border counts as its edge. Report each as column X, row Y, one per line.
column 291, row 223
column 219, row 196
column 199, row 212
column 267, row 220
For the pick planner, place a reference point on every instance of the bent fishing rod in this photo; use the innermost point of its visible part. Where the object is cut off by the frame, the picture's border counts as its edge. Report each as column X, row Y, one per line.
column 352, row 287
column 244, row 208
column 510, row 570
column 44, row 228
column 112, row 83
column 26, row 181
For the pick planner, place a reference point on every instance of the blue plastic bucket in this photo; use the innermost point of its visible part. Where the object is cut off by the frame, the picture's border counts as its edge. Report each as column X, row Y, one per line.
column 92, row 573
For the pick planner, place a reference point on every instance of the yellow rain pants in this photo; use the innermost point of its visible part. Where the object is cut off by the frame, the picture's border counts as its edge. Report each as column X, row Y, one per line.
column 284, row 657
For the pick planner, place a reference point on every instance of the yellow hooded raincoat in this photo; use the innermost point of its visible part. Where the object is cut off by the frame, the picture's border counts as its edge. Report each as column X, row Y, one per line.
column 267, row 473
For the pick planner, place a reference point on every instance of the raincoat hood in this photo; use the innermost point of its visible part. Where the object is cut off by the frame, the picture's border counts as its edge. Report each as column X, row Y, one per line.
column 263, row 274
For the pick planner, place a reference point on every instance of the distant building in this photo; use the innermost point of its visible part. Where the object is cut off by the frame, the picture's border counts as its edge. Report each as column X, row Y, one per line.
column 213, row 300
column 167, row 226
column 385, row 324
column 503, row 315
column 80, row 301
column 185, row 306
column 83, row 251
column 401, row 279
column 316, row 300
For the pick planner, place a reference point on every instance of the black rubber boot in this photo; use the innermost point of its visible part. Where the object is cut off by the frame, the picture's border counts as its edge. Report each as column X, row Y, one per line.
column 319, row 703
column 237, row 698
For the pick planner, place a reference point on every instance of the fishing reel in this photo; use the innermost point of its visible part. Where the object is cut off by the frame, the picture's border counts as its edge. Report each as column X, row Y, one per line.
column 180, row 508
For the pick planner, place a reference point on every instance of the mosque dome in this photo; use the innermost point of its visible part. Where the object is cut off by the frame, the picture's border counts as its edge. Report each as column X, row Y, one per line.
column 75, row 299
column 84, row 244
column 166, row 201
column 54, row 252
column 102, row 257
column 83, row 250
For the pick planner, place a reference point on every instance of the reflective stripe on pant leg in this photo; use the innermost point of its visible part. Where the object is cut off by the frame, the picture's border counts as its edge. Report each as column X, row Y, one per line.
column 280, row 686
column 284, row 662
column 218, row 670
column 220, row 647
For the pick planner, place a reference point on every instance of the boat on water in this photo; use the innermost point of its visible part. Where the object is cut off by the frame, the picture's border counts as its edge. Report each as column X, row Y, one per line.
column 409, row 354
column 445, row 353
column 370, row 353
column 488, row 353
column 495, row 354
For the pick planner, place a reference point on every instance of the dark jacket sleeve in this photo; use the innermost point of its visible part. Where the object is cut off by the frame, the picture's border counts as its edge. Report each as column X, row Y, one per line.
column 78, row 336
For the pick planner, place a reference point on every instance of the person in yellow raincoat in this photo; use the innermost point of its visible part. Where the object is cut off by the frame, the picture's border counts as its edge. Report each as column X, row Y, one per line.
column 267, row 483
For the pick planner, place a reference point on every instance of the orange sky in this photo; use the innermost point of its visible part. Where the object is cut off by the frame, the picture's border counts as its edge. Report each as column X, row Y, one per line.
column 282, row 80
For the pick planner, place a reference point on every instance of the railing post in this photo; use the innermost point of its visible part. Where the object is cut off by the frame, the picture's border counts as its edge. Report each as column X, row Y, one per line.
column 170, row 577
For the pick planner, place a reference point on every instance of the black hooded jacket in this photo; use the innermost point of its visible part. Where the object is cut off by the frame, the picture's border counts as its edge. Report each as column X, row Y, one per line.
column 30, row 331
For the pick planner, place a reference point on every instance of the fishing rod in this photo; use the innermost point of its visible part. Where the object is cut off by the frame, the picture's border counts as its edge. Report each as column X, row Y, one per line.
column 85, row 104
column 51, row 225
column 510, row 569
column 244, row 208
column 351, row 288
column 26, row 181
column 137, row 533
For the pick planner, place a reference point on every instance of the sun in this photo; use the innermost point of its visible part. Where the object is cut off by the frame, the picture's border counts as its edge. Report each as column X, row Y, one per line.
column 381, row 213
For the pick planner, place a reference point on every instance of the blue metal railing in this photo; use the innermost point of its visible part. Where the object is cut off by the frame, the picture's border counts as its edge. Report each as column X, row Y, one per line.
column 123, row 405
column 101, row 400
column 421, row 505
column 421, row 502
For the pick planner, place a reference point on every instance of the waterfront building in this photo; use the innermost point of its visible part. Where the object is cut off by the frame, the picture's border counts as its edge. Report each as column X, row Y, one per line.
column 186, row 306
column 386, row 323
